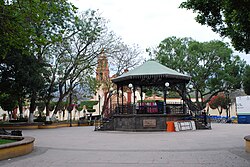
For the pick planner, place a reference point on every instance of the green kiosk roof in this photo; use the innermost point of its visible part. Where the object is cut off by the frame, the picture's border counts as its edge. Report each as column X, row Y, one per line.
column 151, row 70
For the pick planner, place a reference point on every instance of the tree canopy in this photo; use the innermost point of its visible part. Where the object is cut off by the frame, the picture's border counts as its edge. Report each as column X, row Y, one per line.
column 49, row 52
column 246, row 80
column 219, row 102
column 124, row 57
column 28, row 29
column 211, row 65
column 229, row 18
column 33, row 25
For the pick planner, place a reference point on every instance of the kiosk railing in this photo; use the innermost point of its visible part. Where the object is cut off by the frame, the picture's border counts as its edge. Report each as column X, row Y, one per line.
column 148, row 109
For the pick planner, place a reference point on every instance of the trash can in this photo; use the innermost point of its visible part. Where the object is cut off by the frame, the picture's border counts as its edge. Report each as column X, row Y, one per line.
column 170, row 126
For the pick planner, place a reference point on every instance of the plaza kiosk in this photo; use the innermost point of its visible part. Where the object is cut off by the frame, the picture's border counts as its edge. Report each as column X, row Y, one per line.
column 135, row 114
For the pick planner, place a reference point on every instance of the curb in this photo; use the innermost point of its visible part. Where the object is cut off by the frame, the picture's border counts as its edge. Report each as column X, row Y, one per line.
column 23, row 146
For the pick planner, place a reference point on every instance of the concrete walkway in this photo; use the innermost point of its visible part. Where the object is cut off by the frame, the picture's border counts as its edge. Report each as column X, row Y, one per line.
column 223, row 146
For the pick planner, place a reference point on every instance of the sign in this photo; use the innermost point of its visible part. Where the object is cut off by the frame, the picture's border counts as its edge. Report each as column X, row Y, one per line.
column 149, row 123
column 186, row 125
column 243, row 105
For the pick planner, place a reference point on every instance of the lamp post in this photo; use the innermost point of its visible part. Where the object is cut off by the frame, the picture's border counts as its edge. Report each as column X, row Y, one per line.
column 165, row 96
column 228, row 104
column 70, row 108
column 110, row 96
column 189, row 89
column 99, row 98
column 130, row 86
column 70, row 118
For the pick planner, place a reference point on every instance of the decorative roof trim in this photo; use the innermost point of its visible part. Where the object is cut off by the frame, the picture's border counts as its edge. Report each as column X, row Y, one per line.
column 150, row 76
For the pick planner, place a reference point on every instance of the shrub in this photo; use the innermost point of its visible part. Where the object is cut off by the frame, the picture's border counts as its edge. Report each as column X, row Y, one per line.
column 89, row 103
column 91, row 110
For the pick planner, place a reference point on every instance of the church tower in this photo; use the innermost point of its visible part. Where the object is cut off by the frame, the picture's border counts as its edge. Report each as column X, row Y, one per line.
column 102, row 71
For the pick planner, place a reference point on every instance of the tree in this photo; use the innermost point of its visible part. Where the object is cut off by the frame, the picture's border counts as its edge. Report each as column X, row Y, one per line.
column 227, row 17
column 121, row 58
column 76, row 57
column 124, row 57
column 220, row 102
column 211, row 65
column 64, row 47
column 31, row 27
column 8, row 103
column 53, row 25
column 73, row 59
column 20, row 76
column 87, row 88
column 106, row 86
column 34, row 24
column 246, row 80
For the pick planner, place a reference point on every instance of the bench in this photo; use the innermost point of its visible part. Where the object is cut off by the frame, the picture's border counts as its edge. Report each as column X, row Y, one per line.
column 12, row 133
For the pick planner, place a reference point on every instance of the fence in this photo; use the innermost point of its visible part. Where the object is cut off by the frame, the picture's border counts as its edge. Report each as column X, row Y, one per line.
column 147, row 108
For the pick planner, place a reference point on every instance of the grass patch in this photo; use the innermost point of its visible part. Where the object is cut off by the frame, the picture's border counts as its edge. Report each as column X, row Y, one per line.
column 5, row 141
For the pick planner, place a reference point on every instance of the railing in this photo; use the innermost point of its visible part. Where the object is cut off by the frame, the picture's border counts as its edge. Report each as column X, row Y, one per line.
column 147, row 109
column 124, row 109
column 176, row 109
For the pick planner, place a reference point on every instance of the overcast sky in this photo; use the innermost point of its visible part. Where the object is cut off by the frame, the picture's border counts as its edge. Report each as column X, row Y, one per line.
column 148, row 22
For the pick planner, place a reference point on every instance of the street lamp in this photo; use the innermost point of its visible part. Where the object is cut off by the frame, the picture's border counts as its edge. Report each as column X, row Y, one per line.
column 131, row 87
column 70, row 108
column 229, row 106
column 228, row 103
column 110, row 94
column 165, row 96
column 167, row 84
column 189, row 89
column 99, row 98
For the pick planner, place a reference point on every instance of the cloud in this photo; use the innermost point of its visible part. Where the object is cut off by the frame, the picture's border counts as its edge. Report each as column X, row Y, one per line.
column 148, row 22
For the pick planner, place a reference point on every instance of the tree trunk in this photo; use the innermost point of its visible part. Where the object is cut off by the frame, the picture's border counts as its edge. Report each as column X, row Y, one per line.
column 48, row 99
column 31, row 118
column 4, row 117
column 219, row 110
column 197, row 98
column 47, row 113
column 105, row 109
column 227, row 112
column 47, row 110
column 32, row 107
column 61, row 96
column 20, row 106
column 10, row 115
column 191, row 105
column 57, row 108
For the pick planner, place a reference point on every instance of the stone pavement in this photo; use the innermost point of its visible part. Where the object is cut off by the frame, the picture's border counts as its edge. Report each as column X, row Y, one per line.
column 223, row 146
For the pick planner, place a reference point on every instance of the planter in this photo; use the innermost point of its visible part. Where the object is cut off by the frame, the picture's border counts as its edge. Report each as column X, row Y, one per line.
column 23, row 145
column 247, row 146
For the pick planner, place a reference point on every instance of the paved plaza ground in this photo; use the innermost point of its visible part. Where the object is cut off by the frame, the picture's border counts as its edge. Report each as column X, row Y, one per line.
column 223, row 146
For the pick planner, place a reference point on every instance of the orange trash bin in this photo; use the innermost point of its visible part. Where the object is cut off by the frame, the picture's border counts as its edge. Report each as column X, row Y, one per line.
column 170, row 126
